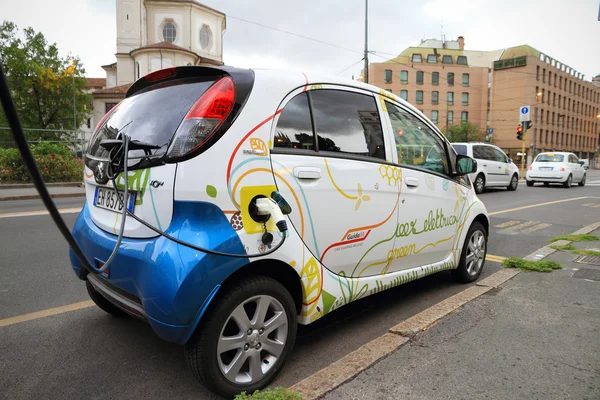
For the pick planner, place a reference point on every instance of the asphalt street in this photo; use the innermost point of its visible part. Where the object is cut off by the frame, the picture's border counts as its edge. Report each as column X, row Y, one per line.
column 89, row 354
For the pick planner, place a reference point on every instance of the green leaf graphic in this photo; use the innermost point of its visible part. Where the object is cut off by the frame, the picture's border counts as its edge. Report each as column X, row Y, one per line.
column 211, row 191
column 328, row 300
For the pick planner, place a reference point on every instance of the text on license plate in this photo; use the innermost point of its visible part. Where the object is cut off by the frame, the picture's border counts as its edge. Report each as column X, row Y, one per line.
column 107, row 198
column 546, row 168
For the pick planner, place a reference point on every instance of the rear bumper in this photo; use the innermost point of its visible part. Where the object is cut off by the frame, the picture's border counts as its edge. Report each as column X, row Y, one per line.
column 538, row 176
column 157, row 280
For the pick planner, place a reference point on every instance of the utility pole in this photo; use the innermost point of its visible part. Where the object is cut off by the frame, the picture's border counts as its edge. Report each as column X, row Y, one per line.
column 366, row 73
column 523, row 151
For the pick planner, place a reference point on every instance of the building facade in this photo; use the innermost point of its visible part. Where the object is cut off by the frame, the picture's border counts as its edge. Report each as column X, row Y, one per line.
column 450, row 84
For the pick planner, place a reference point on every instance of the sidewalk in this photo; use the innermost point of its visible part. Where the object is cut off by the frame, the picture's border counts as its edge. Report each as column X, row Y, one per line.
column 535, row 337
column 28, row 193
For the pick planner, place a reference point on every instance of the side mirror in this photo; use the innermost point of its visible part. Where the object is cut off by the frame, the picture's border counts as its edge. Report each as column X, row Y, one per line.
column 510, row 160
column 581, row 163
column 465, row 165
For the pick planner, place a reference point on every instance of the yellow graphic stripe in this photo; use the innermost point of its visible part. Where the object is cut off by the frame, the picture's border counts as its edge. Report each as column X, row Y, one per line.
column 45, row 313
column 372, row 265
column 335, row 185
column 434, row 244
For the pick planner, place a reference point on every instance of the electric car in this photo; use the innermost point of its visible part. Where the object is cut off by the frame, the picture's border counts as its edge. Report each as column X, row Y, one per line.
column 563, row 168
column 258, row 200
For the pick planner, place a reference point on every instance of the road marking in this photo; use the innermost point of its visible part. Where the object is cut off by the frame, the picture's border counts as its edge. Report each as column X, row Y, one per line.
column 507, row 224
column 540, row 205
column 512, row 226
column 492, row 258
column 521, row 226
column 45, row 313
column 39, row 212
column 536, row 227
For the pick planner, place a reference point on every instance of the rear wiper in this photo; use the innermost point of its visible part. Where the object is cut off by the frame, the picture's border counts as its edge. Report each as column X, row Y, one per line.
column 109, row 144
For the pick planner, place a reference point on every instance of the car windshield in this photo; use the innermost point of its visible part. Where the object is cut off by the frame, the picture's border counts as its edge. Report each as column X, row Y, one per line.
column 550, row 158
column 460, row 149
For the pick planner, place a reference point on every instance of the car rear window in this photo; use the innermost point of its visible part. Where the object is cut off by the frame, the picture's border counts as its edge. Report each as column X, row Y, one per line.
column 460, row 149
column 151, row 116
column 550, row 158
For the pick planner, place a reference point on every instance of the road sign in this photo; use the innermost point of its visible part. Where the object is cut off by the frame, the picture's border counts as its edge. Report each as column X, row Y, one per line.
column 490, row 131
column 524, row 113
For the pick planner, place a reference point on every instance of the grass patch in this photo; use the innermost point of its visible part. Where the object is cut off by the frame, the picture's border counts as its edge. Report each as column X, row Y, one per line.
column 584, row 252
column 526, row 265
column 576, row 238
column 270, row 394
column 564, row 247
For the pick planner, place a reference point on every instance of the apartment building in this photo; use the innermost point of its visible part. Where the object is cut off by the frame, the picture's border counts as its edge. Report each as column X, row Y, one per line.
column 450, row 84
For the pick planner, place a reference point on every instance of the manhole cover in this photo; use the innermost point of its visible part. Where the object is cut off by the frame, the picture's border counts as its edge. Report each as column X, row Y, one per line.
column 588, row 273
column 591, row 260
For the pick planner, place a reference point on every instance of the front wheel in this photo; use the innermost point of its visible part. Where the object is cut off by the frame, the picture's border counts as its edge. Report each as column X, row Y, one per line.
column 568, row 182
column 582, row 183
column 473, row 254
column 244, row 341
column 514, row 182
column 479, row 184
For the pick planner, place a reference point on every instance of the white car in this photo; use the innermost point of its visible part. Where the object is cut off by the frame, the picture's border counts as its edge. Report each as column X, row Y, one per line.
column 556, row 167
column 223, row 161
column 494, row 167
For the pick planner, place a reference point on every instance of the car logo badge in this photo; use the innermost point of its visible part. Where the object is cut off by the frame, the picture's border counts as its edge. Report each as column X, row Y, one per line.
column 100, row 174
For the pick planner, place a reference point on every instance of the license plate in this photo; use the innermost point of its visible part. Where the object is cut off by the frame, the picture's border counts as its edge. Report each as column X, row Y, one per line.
column 546, row 168
column 107, row 198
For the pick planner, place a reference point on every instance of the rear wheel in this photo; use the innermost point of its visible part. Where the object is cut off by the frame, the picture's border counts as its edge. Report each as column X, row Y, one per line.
column 101, row 302
column 479, row 184
column 582, row 183
column 244, row 341
column 568, row 182
column 473, row 254
column 530, row 183
column 514, row 182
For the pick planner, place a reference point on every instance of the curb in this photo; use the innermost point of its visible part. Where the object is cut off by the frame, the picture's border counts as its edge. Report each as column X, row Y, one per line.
column 31, row 185
column 36, row 196
column 347, row 368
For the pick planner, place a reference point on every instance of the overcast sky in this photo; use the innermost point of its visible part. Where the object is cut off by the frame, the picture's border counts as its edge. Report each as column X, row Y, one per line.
column 567, row 30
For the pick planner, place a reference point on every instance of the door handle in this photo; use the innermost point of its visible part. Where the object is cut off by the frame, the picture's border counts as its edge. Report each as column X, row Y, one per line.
column 485, row 165
column 412, row 182
column 307, row 172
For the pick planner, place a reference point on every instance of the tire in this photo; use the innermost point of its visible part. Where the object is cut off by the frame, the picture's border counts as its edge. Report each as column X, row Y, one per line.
column 546, row 184
column 567, row 184
column 530, row 183
column 209, row 363
column 104, row 304
column 514, row 183
column 479, row 184
column 476, row 245
column 582, row 183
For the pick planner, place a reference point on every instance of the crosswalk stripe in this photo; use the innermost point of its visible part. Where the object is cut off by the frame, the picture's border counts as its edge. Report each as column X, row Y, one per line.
column 521, row 226
column 536, row 227
column 507, row 224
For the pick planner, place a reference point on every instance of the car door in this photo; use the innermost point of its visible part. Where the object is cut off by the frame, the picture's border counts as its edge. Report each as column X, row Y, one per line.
column 331, row 157
column 577, row 169
column 487, row 159
column 503, row 170
column 431, row 202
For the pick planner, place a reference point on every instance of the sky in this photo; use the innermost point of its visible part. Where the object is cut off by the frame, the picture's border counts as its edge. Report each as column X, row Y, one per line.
column 568, row 31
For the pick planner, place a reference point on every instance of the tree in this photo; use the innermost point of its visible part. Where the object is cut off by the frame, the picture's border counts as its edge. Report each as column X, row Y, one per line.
column 41, row 82
column 465, row 132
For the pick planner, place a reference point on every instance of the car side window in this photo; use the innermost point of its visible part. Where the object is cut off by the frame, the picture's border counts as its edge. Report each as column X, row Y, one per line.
column 500, row 156
column 294, row 127
column 479, row 152
column 347, row 122
column 416, row 143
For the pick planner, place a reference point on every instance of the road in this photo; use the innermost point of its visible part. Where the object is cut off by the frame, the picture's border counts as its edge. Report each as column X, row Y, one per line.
column 86, row 353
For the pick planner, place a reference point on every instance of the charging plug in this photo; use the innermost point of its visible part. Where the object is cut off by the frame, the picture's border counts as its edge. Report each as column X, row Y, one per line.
column 267, row 206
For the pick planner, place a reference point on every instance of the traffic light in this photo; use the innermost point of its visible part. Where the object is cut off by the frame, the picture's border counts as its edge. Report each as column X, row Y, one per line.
column 520, row 132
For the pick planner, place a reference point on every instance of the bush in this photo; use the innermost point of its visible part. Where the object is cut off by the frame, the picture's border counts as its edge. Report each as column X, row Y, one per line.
column 271, row 394
column 55, row 162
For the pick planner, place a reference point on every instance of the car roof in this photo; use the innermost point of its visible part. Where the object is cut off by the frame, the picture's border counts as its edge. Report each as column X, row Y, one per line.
column 562, row 153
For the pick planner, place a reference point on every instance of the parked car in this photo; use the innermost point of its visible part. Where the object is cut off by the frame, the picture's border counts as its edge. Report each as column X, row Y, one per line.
column 556, row 167
column 377, row 196
column 494, row 167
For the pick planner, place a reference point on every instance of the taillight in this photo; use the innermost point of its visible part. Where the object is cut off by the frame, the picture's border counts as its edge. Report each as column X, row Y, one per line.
column 203, row 119
column 160, row 74
column 562, row 168
column 531, row 167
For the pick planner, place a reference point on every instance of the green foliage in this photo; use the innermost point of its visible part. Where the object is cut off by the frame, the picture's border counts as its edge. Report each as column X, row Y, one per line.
column 564, row 247
column 587, row 252
column 55, row 162
column 576, row 238
column 270, row 394
column 41, row 81
column 465, row 132
column 526, row 265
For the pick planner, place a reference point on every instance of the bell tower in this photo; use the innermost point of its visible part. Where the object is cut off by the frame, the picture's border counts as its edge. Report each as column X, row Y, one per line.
column 129, row 25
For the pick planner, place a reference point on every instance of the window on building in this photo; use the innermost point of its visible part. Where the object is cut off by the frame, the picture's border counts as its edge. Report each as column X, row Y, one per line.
column 108, row 107
column 450, row 117
column 404, row 76
column 204, row 37
column 89, row 123
column 462, row 60
column 447, row 60
column 388, row 76
column 352, row 129
column 450, row 78
column 465, row 80
column 435, row 97
column 432, row 59
column 410, row 134
column 537, row 73
column 570, row 85
column 169, row 32
column 551, row 137
column 553, row 118
column 550, row 78
column 417, row 58
column 435, row 78
column 535, row 115
column 465, row 99
column 560, row 82
column 294, row 127
column 542, row 116
column 419, row 97
column 553, row 99
column 404, row 95
column 464, row 116
column 450, row 98
column 434, row 116
column 559, row 98
column 419, row 77
column 543, row 95
column 544, row 75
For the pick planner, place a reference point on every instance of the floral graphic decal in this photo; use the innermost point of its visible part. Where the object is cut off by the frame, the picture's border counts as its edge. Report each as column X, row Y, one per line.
column 361, row 198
